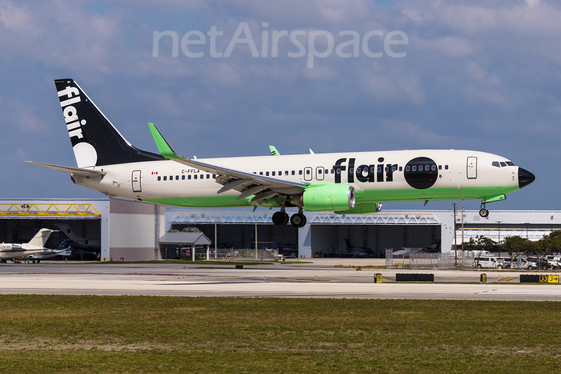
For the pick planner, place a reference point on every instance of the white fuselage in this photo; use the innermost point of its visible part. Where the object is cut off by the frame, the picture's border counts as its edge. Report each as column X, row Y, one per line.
column 376, row 176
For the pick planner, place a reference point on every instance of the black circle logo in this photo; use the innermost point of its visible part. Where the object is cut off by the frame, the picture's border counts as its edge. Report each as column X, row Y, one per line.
column 421, row 173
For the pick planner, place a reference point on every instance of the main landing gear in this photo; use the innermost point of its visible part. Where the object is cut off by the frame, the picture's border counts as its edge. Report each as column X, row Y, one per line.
column 297, row 220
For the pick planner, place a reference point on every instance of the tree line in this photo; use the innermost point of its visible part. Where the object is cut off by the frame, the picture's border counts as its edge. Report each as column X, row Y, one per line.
column 516, row 245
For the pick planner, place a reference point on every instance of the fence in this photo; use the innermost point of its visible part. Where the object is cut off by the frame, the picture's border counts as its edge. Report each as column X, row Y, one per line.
column 247, row 254
column 429, row 260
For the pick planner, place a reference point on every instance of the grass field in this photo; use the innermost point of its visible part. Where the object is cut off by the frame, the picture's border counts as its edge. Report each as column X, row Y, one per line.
column 135, row 334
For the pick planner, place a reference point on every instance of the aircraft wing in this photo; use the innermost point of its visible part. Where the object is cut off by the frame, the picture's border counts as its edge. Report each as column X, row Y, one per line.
column 71, row 170
column 247, row 184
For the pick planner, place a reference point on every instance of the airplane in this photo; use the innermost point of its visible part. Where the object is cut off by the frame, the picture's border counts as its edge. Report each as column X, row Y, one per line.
column 64, row 249
column 24, row 250
column 344, row 183
column 78, row 242
column 358, row 251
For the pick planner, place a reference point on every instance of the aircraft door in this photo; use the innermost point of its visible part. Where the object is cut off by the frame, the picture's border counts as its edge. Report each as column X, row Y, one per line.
column 472, row 167
column 319, row 173
column 308, row 174
column 136, row 187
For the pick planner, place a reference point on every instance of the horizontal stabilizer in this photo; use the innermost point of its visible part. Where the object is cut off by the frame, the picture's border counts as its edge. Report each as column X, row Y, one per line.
column 71, row 170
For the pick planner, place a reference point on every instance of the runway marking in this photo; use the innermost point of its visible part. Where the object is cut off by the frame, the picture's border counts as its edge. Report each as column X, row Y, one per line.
column 529, row 292
column 507, row 279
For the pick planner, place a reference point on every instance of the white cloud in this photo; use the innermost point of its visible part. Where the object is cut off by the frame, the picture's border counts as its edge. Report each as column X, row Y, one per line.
column 449, row 46
column 13, row 18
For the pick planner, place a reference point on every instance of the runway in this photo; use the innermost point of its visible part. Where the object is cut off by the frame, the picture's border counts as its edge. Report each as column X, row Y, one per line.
column 306, row 280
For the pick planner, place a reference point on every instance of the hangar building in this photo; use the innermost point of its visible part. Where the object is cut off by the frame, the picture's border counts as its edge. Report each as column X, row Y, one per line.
column 127, row 230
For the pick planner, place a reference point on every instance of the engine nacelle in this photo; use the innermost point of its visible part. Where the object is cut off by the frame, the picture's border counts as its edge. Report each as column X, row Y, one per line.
column 324, row 197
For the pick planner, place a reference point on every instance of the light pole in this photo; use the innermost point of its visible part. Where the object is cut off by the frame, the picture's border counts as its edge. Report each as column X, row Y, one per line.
column 499, row 242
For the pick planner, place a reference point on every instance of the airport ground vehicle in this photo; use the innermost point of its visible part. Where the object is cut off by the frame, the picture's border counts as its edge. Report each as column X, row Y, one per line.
column 487, row 262
column 519, row 263
column 553, row 262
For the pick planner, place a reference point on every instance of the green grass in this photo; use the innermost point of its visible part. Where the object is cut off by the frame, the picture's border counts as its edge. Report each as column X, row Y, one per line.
column 137, row 334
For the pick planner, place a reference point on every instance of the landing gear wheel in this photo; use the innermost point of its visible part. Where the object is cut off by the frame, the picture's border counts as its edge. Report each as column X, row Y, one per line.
column 484, row 212
column 280, row 218
column 298, row 220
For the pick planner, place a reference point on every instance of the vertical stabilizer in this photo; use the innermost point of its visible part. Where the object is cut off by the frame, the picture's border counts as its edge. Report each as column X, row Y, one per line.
column 40, row 238
column 96, row 142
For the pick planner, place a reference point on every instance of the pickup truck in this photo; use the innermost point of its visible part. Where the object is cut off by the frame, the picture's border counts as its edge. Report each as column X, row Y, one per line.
column 520, row 263
column 552, row 261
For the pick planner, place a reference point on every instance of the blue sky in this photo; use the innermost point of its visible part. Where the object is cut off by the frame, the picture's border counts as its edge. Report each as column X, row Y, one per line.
column 481, row 75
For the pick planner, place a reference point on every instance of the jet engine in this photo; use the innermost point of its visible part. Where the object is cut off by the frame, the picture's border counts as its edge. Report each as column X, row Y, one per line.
column 322, row 197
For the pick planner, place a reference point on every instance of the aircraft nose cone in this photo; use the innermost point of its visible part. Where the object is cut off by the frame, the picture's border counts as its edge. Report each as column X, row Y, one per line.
column 525, row 177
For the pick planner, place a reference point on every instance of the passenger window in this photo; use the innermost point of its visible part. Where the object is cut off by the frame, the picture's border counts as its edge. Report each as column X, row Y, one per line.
column 400, row 168
column 300, row 172
column 326, row 171
column 208, row 176
column 338, row 171
column 280, row 173
column 394, row 168
column 332, row 171
column 214, row 176
column 446, row 167
column 177, row 177
column 165, row 178
column 159, row 179
column 319, row 171
column 308, row 171
column 183, row 177
column 427, row 167
column 286, row 172
column 439, row 167
column 433, row 167
column 293, row 172
column 260, row 173
column 171, row 177
column 189, row 177
column 267, row 173
column 372, row 169
column 195, row 176
column 414, row 168
column 407, row 168
column 379, row 169
column 351, row 170
column 273, row 173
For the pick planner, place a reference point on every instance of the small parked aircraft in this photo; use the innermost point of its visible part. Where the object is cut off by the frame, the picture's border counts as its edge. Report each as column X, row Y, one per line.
column 25, row 250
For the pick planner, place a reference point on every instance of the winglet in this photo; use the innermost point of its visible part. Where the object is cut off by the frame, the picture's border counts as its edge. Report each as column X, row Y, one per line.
column 274, row 151
column 163, row 146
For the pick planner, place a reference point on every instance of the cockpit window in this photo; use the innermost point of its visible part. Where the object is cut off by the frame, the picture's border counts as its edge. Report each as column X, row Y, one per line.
column 510, row 163
column 503, row 164
column 496, row 164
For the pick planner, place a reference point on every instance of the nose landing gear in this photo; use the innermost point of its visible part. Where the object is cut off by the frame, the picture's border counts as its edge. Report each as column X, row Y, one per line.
column 483, row 212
